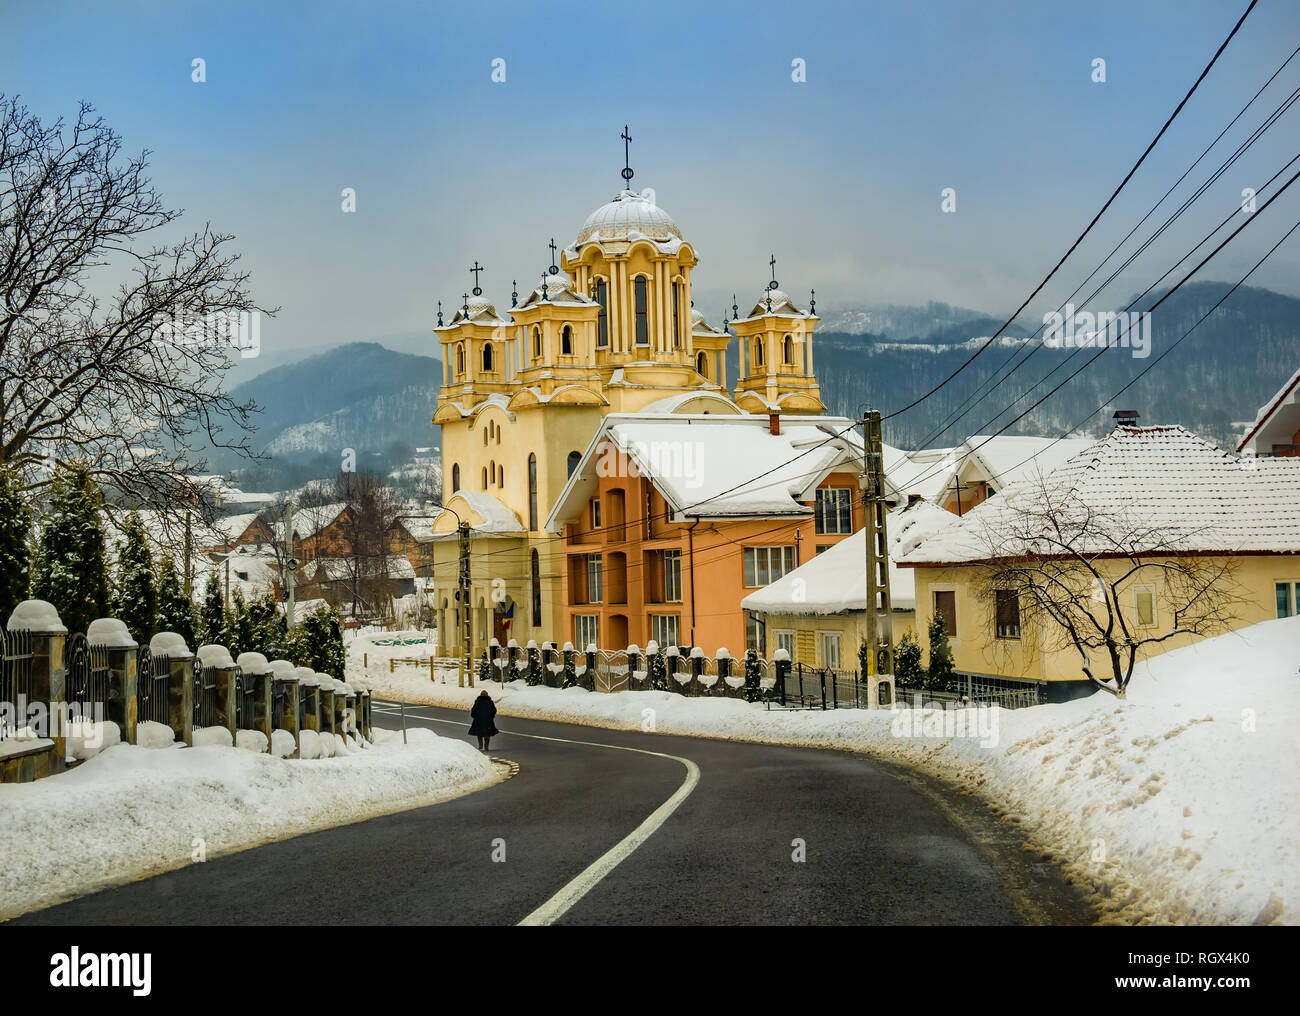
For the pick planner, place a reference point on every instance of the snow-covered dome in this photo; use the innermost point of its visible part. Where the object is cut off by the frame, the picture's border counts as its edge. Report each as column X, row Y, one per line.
column 629, row 212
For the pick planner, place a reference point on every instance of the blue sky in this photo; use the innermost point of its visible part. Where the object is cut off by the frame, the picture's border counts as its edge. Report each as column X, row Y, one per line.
column 839, row 176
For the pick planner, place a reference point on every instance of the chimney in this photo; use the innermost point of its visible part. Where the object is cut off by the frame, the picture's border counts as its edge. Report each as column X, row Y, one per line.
column 1125, row 418
column 774, row 423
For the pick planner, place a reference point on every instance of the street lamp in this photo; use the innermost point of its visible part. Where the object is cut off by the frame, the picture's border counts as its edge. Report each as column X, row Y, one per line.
column 462, row 590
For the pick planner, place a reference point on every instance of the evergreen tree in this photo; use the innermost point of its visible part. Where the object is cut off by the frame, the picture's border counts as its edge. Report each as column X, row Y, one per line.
column 907, row 662
column 15, row 531
column 175, row 611
column 70, row 569
column 135, row 598
column 239, row 634
column 941, row 676
column 268, row 626
column 212, row 619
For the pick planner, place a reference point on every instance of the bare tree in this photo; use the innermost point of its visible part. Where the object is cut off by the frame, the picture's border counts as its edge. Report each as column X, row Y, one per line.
column 1068, row 573
column 372, row 509
column 113, row 344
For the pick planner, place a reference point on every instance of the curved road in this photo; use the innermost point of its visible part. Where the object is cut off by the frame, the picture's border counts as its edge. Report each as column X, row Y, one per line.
column 881, row 846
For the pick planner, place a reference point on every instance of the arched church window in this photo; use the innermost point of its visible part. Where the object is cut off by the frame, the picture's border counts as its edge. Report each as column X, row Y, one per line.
column 485, row 437
column 566, row 341
column 788, row 350
column 485, row 482
column 501, row 476
column 702, row 364
column 758, row 352
column 537, row 341
column 455, row 477
column 492, row 470
column 487, row 356
column 602, row 320
column 535, row 569
column 574, row 459
column 532, row 493
column 677, row 318
column 460, row 360
column 641, row 304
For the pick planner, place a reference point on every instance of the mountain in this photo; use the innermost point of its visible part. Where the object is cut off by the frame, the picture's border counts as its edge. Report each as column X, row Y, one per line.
column 360, row 396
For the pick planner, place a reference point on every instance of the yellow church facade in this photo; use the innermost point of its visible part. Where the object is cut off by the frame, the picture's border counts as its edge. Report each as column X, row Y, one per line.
column 611, row 329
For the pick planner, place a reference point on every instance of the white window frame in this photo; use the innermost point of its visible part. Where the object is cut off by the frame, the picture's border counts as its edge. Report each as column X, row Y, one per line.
column 785, row 639
column 822, row 637
column 659, row 625
column 672, row 575
column 595, row 579
column 1292, row 596
column 766, row 553
column 581, row 621
column 827, row 509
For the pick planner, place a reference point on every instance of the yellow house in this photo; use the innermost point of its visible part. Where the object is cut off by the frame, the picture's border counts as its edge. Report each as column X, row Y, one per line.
column 1130, row 528
column 610, row 329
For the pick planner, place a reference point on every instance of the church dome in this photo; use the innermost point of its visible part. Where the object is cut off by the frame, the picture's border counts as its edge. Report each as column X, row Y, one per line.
column 629, row 212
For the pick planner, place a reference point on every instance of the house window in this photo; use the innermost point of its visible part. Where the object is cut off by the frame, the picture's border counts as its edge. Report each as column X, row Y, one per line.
column 1288, row 598
column 535, row 568
column 1144, row 606
column 642, row 312
column 834, row 510
column 822, row 548
column 602, row 320
column 945, row 605
column 665, row 576
column 767, row 564
column 532, row 493
column 1007, row 603
column 595, row 513
column 677, row 320
column 574, row 459
column 594, row 576
column 785, row 640
column 455, row 477
column 566, row 341
column 754, row 635
column 586, row 628
column 828, row 645
column 664, row 629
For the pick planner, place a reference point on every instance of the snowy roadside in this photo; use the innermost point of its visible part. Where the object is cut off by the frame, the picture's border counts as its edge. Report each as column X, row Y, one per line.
column 1180, row 805
column 132, row 811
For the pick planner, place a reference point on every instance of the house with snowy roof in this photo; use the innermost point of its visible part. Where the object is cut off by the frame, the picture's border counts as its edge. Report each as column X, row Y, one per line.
column 818, row 612
column 1129, row 508
column 1276, row 430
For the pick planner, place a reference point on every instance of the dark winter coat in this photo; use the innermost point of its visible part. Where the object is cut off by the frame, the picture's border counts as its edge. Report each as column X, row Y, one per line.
column 483, row 713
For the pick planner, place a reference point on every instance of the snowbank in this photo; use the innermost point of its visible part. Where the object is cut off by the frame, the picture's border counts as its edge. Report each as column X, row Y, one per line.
column 135, row 812
column 1179, row 805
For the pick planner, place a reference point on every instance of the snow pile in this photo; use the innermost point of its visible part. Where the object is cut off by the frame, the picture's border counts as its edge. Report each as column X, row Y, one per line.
column 1179, row 805
column 152, row 734
column 135, row 812
column 282, row 743
column 212, row 737
column 87, row 738
column 250, row 740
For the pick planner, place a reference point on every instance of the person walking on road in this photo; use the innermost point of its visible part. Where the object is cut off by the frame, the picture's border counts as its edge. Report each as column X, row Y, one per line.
column 483, row 713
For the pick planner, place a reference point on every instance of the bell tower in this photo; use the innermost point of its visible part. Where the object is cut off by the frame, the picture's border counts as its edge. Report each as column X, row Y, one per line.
column 776, row 355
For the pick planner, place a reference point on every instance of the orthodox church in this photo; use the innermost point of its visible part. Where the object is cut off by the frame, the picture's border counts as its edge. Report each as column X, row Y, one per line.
column 609, row 330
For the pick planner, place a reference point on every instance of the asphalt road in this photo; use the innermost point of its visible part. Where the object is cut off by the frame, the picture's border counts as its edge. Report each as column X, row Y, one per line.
column 879, row 846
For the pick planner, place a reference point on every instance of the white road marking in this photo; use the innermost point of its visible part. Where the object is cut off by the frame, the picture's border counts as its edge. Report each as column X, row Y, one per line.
column 559, row 904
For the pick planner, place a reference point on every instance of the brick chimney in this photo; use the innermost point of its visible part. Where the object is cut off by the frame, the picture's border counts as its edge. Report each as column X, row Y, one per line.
column 774, row 423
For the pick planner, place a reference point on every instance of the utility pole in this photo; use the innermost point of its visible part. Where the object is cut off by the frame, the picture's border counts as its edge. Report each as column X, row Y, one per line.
column 462, row 595
column 880, row 622
column 290, row 564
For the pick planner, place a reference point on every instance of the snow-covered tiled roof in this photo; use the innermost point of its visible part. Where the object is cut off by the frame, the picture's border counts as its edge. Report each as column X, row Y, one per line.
column 559, row 290
column 338, row 569
column 307, row 522
column 673, row 402
column 1187, row 493
column 696, row 460
column 836, row 580
column 420, row 529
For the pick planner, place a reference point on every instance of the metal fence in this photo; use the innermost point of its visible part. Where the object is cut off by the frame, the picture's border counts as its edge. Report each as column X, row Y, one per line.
column 245, row 700
column 153, row 687
column 16, row 686
column 87, row 672
column 205, row 695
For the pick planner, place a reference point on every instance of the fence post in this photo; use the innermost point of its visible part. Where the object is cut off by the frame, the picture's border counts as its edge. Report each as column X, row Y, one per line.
column 800, row 668
column 257, row 670
column 589, row 678
column 48, row 635
column 835, row 689
column 284, row 673
column 122, row 653
column 180, row 683
column 781, row 659
column 823, row 682
column 325, row 693
column 309, row 696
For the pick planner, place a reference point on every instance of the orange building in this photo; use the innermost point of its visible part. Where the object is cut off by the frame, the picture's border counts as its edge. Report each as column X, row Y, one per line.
column 670, row 519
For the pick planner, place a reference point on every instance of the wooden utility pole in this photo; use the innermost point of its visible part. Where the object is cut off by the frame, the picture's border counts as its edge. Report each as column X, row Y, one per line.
column 463, row 594
column 880, row 622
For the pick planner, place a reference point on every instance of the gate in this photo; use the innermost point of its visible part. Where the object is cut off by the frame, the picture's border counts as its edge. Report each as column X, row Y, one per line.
column 15, row 678
column 86, row 667
column 205, row 695
column 153, row 694
column 245, row 699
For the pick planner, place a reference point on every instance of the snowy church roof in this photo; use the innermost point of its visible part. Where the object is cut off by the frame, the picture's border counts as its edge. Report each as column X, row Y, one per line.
column 1187, row 493
column 629, row 213
column 559, row 290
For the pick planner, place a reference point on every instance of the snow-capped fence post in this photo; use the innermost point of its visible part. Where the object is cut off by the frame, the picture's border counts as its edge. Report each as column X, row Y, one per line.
column 781, row 658
column 495, row 669
column 308, row 701
column 589, row 675
column 656, row 672
column 325, row 691
column 728, row 683
column 256, row 674
column 512, row 653
column 548, row 664
column 534, row 662
column 108, row 638
column 568, row 673
column 752, row 691
column 284, row 699
column 219, row 667
column 363, row 708
column 633, row 667
column 172, row 655
column 46, row 634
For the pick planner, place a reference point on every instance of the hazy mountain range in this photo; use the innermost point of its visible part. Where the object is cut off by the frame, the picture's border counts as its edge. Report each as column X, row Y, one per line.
column 379, row 402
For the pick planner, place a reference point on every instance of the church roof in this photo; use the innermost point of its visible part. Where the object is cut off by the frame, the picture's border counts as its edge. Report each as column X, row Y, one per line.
column 782, row 306
column 627, row 217
column 699, row 326
column 559, row 289
column 480, row 312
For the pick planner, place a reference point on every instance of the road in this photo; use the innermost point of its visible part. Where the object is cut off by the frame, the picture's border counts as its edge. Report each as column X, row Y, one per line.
column 878, row 846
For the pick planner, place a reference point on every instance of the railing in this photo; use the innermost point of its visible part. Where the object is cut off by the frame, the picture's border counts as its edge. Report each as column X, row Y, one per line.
column 205, row 695
column 87, row 673
column 245, row 700
column 153, row 684
column 16, row 687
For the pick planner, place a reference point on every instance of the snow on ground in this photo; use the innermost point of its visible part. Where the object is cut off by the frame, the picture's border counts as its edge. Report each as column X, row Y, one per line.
column 1180, row 805
column 133, row 811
